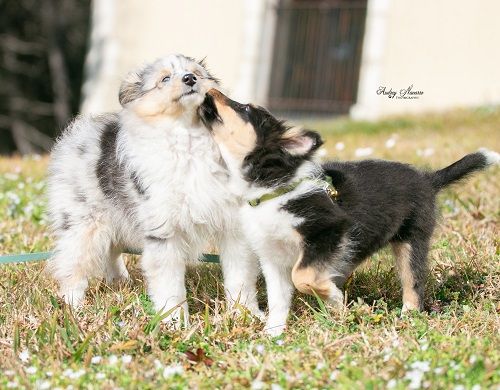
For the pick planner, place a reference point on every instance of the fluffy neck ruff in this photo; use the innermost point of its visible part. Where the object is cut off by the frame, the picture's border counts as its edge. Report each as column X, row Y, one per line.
column 136, row 123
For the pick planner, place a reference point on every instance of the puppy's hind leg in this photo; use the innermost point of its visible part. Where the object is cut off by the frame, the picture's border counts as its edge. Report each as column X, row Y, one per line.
column 82, row 251
column 116, row 271
column 411, row 264
column 309, row 278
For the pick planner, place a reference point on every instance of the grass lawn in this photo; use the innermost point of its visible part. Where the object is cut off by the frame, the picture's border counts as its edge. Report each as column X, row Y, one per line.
column 115, row 340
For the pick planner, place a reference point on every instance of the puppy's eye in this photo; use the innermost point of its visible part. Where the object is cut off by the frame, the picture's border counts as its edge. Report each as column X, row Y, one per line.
column 248, row 108
column 165, row 79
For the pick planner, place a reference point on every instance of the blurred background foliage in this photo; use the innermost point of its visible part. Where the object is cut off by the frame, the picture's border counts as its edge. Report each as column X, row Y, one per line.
column 42, row 52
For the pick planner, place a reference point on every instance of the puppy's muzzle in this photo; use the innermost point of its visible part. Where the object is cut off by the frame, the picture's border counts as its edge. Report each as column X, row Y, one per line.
column 189, row 79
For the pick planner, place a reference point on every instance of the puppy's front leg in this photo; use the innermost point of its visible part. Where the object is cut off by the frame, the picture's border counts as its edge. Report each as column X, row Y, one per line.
column 279, row 296
column 240, row 267
column 164, row 267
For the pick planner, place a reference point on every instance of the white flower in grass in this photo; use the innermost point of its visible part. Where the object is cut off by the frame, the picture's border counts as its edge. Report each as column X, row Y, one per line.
column 28, row 209
column 96, row 359
column 280, row 342
column 174, row 369
column 77, row 374
column 322, row 152
column 257, row 385
column 112, row 359
column 340, row 146
column 11, row 176
column 275, row 386
column 334, row 375
column 472, row 359
column 12, row 385
column 31, row 370
column 126, row 359
column 24, row 356
column 363, row 152
column 68, row 372
column 390, row 143
column 100, row 376
column 416, row 374
column 392, row 384
column 427, row 152
column 459, row 387
column 415, row 377
column 9, row 373
column 43, row 385
column 476, row 387
column 421, row 366
column 13, row 198
column 157, row 364
column 438, row 370
column 320, row 366
column 260, row 349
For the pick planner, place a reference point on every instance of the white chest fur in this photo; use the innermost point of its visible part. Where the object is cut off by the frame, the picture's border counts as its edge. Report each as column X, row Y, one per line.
column 272, row 232
column 181, row 169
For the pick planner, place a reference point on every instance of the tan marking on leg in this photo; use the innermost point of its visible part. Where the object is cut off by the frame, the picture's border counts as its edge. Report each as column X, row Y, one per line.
column 402, row 252
column 309, row 280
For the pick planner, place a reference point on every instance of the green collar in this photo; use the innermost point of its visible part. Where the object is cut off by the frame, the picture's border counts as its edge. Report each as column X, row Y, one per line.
column 325, row 183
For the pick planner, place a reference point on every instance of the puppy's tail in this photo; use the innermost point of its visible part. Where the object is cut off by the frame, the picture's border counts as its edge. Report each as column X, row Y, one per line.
column 462, row 168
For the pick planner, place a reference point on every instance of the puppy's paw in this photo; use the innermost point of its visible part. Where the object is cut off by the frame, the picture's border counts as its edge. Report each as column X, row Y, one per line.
column 259, row 314
column 73, row 297
column 122, row 277
column 336, row 298
column 273, row 330
column 116, row 271
column 409, row 307
column 177, row 318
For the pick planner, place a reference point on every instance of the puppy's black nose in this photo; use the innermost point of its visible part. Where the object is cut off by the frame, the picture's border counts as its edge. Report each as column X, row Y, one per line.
column 189, row 79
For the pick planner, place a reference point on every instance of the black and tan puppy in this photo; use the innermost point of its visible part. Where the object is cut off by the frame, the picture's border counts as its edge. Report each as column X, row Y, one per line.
column 312, row 233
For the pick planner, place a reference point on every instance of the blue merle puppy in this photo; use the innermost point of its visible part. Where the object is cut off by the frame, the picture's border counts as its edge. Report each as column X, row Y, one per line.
column 149, row 177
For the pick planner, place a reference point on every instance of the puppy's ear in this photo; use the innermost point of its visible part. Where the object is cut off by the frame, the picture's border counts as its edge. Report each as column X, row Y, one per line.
column 300, row 142
column 203, row 64
column 131, row 88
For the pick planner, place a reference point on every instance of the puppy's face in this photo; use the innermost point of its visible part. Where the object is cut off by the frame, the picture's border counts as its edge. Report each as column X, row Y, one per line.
column 253, row 141
column 169, row 87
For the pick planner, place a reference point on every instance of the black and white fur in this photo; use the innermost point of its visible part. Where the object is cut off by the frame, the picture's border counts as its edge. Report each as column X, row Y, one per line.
column 149, row 177
column 306, row 239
